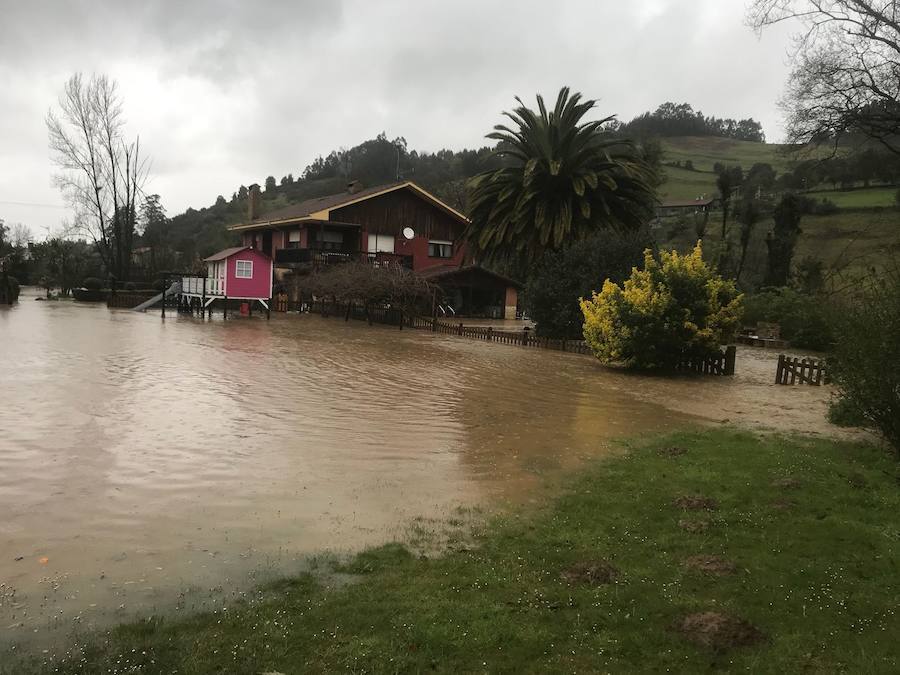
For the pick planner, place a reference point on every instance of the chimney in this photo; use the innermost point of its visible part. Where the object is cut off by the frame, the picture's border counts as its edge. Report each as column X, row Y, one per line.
column 253, row 203
column 354, row 186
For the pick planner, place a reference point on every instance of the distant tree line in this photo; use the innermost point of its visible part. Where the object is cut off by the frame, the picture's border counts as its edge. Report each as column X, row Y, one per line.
column 844, row 171
column 680, row 119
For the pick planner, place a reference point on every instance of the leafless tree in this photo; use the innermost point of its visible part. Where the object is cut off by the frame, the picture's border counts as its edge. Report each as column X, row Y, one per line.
column 21, row 235
column 365, row 285
column 846, row 75
column 101, row 174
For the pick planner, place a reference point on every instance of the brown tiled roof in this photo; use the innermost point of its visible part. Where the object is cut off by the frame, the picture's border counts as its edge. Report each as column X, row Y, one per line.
column 443, row 271
column 310, row 206
column 226, row 253
column 670, row 203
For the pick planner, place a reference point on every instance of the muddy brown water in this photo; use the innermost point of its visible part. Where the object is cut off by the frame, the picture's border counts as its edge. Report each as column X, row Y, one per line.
column 147, row 465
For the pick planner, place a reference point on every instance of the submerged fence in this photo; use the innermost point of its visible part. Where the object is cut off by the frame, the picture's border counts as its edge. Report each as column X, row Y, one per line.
column 794, row 370
column 721, row 363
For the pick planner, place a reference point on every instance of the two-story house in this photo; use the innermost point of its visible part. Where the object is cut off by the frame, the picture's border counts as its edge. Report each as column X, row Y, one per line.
column 395, row 224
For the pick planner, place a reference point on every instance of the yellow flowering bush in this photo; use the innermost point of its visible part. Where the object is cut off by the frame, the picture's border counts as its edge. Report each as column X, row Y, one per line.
column 674, row 307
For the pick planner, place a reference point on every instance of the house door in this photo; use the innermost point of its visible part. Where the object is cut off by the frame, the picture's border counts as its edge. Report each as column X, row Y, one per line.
column 267, row 242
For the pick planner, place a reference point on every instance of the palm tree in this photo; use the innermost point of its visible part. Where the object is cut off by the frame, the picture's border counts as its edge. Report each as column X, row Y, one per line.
column 563, row 179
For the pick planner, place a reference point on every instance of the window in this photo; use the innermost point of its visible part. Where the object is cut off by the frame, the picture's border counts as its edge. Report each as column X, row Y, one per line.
column 381, row 243
column 243, row 269
column 440, row 249
column 329, row 240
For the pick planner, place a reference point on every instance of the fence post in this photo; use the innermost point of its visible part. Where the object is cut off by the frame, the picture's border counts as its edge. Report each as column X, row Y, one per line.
column 730, row 355
column 165, row 279
column 525, row 337
column 780, row 369
column 460, row 328
column 433, row 324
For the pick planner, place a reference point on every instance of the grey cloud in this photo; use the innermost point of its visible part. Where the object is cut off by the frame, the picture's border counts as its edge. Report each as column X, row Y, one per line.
column 227, row 92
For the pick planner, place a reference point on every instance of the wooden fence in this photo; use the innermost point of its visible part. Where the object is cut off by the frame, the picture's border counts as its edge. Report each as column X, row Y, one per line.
column 720, row 364
column 794, row 370
column 129, row 299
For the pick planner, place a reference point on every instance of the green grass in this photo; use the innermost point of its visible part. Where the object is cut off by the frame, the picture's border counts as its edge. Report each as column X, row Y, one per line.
column 861, row 198
column 849, row 241
column 704, row 152
column 811, row 526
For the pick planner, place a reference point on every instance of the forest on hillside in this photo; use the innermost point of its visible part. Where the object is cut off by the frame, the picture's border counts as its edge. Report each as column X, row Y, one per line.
column 198, row 232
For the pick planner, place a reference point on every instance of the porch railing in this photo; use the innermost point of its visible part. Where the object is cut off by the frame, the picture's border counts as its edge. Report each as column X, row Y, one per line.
column 194, row 286
column 318, row 257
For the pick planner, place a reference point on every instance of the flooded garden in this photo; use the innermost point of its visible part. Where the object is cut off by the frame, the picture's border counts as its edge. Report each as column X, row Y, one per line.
column 148, row 466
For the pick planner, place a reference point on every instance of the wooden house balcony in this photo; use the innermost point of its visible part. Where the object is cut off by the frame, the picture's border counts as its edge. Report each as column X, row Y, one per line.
column 201, row 286
column 315, row 257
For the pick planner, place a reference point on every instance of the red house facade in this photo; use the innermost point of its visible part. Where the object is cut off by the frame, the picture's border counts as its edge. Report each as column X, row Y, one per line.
column 396, row 224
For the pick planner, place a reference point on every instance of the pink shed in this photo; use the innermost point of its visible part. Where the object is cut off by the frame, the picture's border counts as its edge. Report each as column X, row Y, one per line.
column 242, row 273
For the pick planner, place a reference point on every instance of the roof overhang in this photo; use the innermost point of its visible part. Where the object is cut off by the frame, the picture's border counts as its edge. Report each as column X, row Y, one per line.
column 324, row 214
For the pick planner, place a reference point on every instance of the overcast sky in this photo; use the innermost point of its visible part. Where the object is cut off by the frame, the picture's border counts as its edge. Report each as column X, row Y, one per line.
column 224, row 93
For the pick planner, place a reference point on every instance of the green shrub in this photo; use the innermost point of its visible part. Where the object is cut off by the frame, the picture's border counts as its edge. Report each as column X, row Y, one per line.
column 12, row 284
column 843, row 413
column 92, row 283
column 864, row 365
column 563, row 277
column 672, row 308
column 805, row 319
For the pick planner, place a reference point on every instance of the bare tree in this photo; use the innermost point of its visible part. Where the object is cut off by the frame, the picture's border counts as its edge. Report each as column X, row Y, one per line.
column 101, row 174
column 846, row 75
column 21, row 235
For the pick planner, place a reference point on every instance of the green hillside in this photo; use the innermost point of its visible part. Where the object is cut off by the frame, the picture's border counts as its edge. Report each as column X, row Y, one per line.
column 864, row 231
column 704, row 152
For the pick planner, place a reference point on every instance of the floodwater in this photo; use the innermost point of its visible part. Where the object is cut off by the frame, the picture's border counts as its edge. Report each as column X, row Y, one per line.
column 145, row 460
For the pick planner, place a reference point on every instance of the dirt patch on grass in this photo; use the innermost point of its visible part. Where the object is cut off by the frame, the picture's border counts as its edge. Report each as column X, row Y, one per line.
column 696, row 503
column 673, row 451
column 718, row 631
column 591, row 572
column 857, row 480
column 710, row 564
column 787, row 483
column 694, row 526
column 784, row 504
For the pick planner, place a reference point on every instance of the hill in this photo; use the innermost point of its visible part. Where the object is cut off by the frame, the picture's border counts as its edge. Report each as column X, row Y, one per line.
column 863, row 228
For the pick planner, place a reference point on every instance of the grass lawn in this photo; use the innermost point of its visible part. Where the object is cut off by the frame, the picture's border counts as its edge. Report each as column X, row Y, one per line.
column 860, row 198
column 705, row 549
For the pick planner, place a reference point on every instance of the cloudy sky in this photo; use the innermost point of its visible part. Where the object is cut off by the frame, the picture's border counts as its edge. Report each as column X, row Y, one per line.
column 226, row 92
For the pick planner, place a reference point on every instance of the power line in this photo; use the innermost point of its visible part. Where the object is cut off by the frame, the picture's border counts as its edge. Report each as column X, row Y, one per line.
column 48, row 206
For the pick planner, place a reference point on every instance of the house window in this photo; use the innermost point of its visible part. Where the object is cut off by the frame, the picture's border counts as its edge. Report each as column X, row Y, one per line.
column 243, row 269
column 440, row 249
column 329, row 240
column 293, row 239
column 381, row 243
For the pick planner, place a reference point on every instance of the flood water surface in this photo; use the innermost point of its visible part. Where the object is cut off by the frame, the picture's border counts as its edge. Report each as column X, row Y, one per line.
column 141, row 458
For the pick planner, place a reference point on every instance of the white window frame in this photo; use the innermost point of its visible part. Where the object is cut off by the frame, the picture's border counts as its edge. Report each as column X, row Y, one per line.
column 440, row 242
column 248, row 274
column 382, row 243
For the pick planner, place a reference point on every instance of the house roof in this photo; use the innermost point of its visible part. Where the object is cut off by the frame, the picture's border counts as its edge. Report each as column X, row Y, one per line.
column 319, row 208
column 438, row 272
column 225, row 253
column 674, row 203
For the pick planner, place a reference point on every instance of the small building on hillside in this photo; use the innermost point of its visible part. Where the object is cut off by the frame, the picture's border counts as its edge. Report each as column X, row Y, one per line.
column 239, row 273
column 677, row 207
column 398, row 224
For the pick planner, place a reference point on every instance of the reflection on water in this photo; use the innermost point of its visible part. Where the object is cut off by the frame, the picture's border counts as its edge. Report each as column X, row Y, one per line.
column 140, row 457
